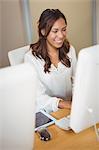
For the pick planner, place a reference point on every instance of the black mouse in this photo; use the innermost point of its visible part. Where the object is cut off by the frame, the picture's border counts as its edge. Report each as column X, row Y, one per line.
column 44, row 134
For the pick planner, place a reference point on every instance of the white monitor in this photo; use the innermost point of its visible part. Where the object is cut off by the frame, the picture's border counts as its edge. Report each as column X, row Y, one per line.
column 85, row 103
column 17, row 107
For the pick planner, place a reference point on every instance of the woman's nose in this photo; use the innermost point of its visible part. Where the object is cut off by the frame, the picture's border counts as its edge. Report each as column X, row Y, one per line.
column 60, row 34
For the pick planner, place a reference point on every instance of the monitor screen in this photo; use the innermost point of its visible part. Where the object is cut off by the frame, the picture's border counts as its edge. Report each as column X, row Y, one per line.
column 85, row 103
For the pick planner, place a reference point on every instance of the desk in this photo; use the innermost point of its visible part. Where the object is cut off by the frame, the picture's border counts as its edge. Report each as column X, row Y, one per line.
column 67, row 140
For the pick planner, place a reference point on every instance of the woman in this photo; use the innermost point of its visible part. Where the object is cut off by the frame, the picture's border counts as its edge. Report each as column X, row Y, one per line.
column 54, row 60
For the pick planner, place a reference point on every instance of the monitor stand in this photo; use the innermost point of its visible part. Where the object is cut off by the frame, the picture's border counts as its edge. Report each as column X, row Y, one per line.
column 90, row 110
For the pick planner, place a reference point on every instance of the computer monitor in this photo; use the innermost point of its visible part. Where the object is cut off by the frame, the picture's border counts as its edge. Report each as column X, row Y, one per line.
column 85, row 102
column 17, row 107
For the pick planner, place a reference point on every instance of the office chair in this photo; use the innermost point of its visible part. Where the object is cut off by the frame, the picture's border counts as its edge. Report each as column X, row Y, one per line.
column 16, row 56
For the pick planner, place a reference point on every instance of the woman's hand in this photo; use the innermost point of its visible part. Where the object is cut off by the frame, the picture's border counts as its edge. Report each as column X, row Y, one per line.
column 64, row 104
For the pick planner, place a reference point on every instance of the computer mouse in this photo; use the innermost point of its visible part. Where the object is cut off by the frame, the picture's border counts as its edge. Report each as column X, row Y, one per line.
column 45, row 135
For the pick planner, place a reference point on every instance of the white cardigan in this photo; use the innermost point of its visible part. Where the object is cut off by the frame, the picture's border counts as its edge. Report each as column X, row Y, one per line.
column 54, row 85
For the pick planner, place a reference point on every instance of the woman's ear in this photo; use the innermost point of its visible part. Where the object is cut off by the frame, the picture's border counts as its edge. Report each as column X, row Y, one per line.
column 43, row 32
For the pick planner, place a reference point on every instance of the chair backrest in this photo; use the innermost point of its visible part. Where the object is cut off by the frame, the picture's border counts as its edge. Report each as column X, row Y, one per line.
column 16, row 56
column 18, row 86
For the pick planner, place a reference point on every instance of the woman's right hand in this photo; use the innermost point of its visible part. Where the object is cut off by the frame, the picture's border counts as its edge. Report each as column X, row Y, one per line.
column 64, row 104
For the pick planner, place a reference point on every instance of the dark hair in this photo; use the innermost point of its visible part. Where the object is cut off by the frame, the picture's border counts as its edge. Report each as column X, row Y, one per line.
column 39, row 49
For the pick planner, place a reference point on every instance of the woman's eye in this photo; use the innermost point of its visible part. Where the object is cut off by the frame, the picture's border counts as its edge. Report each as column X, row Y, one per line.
column 64, row 30
column 54, row 31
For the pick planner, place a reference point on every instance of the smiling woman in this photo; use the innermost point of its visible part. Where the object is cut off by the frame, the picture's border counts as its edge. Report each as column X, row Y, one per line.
column 54, row 59
column 57, row 34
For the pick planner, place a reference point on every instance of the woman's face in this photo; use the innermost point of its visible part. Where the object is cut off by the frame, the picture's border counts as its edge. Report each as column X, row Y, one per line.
column 57, row 34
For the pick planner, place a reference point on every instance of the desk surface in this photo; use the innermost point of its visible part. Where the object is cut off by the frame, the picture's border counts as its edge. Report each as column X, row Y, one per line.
column 67, row 140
